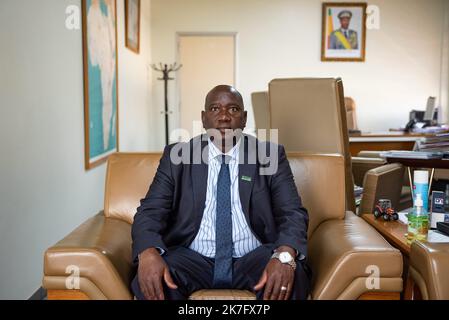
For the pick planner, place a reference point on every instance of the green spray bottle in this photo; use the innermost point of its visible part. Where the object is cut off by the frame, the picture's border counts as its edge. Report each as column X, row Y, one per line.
column 418, row 221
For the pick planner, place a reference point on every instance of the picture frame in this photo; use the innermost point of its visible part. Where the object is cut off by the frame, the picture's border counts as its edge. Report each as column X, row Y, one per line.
column 132, row 25
column 100, row 64
column 343, row 34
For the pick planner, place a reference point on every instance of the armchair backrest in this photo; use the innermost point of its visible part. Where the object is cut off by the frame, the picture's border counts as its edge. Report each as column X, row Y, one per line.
column 320, row 180
column 307, row 114
column 351, row 114
column 128, row 178
column 318, row 177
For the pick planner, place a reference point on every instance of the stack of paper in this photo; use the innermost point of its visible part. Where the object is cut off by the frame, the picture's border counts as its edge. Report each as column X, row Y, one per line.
column 439, row 142
column 358, row 191
column 435, row 129
column 412, row 154
column 435, row 236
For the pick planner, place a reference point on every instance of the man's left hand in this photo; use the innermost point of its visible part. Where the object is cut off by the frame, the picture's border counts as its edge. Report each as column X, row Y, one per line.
column 275, row 278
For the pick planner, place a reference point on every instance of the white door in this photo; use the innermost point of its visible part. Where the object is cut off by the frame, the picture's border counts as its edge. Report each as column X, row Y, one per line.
column 208, row 61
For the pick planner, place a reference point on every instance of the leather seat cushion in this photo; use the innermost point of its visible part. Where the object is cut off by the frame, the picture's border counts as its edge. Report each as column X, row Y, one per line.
column 222, row 295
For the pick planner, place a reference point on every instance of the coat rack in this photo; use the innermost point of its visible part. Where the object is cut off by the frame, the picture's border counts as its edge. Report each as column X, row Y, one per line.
column 166, row 70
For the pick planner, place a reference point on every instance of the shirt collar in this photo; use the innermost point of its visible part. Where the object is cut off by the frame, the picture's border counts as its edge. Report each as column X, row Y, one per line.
column 214, row 152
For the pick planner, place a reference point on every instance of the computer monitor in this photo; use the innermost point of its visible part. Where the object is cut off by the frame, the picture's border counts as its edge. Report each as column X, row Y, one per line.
column 429, row 109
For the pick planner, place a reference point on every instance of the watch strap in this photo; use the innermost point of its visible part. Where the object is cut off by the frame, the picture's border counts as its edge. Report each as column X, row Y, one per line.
column 292, row 263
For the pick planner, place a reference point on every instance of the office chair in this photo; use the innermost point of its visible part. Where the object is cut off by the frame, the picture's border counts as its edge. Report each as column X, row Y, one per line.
column 351, row 114
column 261, row 109
column 311, row 117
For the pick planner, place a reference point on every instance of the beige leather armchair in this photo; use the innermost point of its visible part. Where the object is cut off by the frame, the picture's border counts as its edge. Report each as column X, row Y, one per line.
column 342, row 246
column 405, row 199
column 94, row 261
column 429, row 265
column 383, row 182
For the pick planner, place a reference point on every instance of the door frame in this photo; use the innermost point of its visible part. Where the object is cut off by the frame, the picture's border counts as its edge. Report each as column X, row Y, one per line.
column 235, row 35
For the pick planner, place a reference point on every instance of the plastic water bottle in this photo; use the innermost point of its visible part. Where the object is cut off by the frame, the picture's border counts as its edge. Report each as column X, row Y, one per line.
column 418, row 221
column 421, row 186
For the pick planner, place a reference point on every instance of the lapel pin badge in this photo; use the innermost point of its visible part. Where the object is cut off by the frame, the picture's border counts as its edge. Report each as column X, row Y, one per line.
column 246, row 178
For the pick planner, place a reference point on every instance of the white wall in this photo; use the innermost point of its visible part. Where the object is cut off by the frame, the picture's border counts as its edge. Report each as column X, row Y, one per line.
column 445, row 67
column 283, row 39
column 136, row 120
column 44, row 190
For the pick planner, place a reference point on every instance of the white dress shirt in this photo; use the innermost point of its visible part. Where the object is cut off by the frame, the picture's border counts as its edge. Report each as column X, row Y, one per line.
column 243, row 239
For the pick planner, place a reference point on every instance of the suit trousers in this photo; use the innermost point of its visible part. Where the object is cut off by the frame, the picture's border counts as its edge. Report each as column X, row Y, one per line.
column 192, row 272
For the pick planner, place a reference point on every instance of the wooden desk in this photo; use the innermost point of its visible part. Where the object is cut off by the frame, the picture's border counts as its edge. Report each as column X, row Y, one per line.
column 382, row 141
column 421, row 163
column 393, row 231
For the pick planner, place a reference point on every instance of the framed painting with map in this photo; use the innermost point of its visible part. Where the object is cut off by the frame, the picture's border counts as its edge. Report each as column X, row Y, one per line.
column 100, row 80
column 132, row 25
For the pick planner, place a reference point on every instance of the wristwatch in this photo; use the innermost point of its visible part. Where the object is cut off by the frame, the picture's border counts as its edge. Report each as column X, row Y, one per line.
column 285, row 258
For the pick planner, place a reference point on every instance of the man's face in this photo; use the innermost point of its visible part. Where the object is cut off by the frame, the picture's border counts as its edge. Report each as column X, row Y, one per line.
column 345, row 22
column 224, row 111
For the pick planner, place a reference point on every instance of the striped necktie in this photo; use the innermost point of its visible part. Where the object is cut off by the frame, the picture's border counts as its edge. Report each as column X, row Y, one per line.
column 223, row 229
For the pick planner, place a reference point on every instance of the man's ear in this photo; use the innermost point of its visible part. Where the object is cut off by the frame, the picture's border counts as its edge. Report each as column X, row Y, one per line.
column 245, row 117
column 203, row 118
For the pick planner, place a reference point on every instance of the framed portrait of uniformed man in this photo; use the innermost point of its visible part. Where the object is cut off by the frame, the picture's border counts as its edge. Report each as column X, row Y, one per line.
column 343, row 34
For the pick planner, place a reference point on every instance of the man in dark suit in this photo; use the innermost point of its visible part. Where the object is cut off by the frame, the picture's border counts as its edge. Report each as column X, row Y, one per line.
column 223, row 211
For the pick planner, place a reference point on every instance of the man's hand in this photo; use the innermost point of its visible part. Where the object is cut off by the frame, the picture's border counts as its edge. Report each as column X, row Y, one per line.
column 275, row 276
column 152, row 268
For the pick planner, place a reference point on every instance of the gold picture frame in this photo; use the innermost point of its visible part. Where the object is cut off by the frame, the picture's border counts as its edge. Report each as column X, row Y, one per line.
column 343, row 33
column 132, row 25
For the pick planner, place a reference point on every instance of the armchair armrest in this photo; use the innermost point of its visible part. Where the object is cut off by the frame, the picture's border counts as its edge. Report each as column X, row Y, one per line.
column 382, row 182
column 361, row 165
column 100, row 249
column 428, row 268
column 341, row 253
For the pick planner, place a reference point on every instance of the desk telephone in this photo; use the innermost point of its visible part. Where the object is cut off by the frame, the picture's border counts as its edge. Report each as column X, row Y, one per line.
column 422, row 119
column 414, row 123
column 410, row 125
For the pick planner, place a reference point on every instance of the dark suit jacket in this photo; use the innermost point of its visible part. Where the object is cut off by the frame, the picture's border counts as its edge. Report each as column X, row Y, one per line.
column 171, row 212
